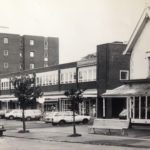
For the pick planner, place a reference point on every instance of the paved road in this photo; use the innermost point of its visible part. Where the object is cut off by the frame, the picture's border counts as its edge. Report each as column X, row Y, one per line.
column 7, row 143
column 15, row 124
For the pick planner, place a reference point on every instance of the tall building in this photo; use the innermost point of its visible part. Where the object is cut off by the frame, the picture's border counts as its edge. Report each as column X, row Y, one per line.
column 27, row 52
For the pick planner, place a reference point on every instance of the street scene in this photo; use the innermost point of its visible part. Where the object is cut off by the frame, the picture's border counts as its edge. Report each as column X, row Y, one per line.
column 46, row 136
column 74, row 74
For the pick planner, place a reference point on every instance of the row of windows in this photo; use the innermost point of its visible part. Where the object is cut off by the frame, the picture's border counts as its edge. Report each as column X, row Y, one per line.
column 87, row 74
column 5, row 41
column 47, row 78
column 31, row 42
column 66, row 76
column 6, row 65
column 31, row 66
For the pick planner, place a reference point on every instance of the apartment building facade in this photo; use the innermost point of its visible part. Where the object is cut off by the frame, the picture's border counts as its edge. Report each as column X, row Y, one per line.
column 25, row 52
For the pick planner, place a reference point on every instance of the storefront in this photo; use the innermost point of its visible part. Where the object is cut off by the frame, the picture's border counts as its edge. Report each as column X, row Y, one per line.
column 89, row 103
column 8, row 102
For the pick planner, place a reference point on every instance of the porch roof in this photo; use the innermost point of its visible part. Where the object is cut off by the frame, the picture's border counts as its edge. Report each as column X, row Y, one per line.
column 139, row 89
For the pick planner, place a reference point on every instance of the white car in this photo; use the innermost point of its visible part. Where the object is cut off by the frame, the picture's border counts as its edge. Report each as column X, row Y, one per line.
column 30, row 114
column 13, row 114
column 64, row 117
column 2, row 113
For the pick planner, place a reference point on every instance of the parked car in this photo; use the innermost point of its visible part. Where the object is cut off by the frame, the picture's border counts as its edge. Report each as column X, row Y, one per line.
column 2, row 113
column 13, row 114
column 64, row 117
column 123, row 114
column 33, row 114
column 30, row 114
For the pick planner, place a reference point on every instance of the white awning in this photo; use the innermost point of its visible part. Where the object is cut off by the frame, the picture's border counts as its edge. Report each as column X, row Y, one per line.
column 6, row 98
column 51, row 96
column 55, row 93
column 90, row 93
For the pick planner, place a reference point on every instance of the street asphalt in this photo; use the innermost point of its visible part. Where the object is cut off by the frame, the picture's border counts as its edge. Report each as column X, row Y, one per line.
column 137, row 138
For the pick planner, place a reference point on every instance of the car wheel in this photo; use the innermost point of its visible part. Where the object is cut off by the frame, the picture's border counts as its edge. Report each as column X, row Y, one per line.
column 28, row 118
column 54, row 124
column 11, row 117
column 85, row 121
column 62, row 122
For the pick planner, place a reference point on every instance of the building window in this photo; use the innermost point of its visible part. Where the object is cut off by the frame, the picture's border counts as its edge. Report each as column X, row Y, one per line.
column 46, row 43
column 31, row 66
column 5, row 52
column 66, row 105
column 45, row 64
column 32, row 54
column 31, row 42
column 5, row 65
column 87, row 74
column 67, row 75
column 20, row 54
column 21, row 67
column 124, row 74
column 47, row 78
column 45, row 59
column 5, row 40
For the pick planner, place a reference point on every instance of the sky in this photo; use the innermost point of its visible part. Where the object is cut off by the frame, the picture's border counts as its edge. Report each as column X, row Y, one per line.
column 80, row 25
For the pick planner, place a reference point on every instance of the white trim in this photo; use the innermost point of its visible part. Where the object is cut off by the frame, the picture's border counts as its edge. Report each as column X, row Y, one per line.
column 138, row 29
column 127, row 74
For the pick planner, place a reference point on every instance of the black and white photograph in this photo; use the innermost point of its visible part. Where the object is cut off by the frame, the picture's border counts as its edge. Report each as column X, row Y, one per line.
column 74, row 74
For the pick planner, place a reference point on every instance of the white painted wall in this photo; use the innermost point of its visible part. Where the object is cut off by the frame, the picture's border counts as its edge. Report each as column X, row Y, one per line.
column 139, row 66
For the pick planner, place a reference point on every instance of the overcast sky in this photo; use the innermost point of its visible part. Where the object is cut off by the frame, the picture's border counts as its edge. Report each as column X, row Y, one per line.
column 80, row 25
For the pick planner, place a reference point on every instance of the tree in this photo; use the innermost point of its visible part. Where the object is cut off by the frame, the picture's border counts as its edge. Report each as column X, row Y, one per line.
column 76, row 97
column 26, row 91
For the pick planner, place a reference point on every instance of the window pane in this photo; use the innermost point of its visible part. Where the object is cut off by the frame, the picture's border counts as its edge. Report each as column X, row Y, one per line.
column 31, row 42
column 31, row 54
column 31, row 66
column 5, row 40
column 5, row 52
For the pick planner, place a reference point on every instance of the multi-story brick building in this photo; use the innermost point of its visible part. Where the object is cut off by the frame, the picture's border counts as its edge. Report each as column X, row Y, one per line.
column 27, row 52
column 112, row 70
column 95, row 72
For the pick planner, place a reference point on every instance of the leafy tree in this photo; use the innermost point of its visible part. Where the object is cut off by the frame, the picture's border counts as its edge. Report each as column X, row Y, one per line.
column 26, row 91
column 76, row 97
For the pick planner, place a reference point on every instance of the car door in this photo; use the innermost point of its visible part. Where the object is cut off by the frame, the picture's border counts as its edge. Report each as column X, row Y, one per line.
column 68, row 117
column 78, row 118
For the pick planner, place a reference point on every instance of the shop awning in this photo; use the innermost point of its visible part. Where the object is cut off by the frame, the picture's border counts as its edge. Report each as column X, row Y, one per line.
column 6, row 98
column 55, row 93
column 140, row 89
column 90, row 93
column 50, row 96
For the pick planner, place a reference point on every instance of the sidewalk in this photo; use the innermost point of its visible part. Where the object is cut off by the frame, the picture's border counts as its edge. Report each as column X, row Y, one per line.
column 137, row 138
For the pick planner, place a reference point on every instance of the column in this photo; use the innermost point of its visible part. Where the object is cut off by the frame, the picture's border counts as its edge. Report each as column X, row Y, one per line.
column 146, row 107
column 104, row 113
column 96, row 106
column 139, row 107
